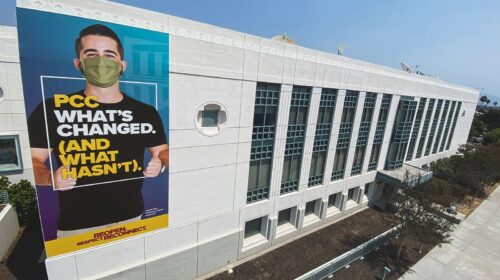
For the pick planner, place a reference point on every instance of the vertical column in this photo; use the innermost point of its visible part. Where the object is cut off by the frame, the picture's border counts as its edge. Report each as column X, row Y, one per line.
column 337, row 116
column 361, row 190
column 325, row 208
column 388, row 131
column 373, row 127
column 280, row 141
column 422, row 123
column 344, row 200
column 309, row 141
column 354, row 134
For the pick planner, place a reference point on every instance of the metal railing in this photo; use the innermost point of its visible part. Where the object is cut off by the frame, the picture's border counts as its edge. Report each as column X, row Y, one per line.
column 345, row 259
column 4, row 197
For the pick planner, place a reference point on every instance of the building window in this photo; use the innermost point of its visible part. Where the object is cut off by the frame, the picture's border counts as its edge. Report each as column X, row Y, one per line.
column 312, row 211
column 353, row 195
column 211, row 119
column 441, row 126
column 425, row 128
column 401, row 132
column 310, row 208
column 317, row 167
column 291, row 171
column 2, row 94
column 379, row 131
column 253, row 227
column 258, row 179
column 433, row 127
column 295, row 138
column 448, row 126
column 453, row 125
column 334, row 204
column 416, row 127
column 263, row 134
column 284, row 216
column 350, row 194
column 363, row 133
column 322, row 136
column 339, row 163
column 367, row 189
column 255, row 233
column 286, row 221
column 10, row 154
column 332, row 199
column 344, row 137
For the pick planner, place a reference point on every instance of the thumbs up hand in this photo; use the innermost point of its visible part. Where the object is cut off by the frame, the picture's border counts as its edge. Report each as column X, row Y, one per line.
column 154, row 166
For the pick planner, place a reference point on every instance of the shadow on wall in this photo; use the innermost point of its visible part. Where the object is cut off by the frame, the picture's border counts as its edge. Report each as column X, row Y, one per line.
column 23, row 262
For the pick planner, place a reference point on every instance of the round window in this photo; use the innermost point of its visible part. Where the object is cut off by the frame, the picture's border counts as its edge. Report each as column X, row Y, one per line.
column 211, row 118
column 2, row 95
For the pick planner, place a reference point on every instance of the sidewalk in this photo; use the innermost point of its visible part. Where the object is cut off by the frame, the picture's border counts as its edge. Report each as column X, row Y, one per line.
column 474, row 252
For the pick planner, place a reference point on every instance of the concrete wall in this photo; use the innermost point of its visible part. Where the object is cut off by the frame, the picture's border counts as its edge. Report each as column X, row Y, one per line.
column 9, row 226
column 12, row 112
column 209, row 174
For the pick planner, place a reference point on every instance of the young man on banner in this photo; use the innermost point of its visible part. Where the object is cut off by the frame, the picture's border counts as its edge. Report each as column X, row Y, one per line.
column 97, row 138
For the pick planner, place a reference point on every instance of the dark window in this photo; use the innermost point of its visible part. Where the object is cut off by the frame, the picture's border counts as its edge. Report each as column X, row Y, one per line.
column 284, row 216
column 10, row 154
column 263, row 134
column 350, row 194
column 253, row 227
column 310, row 207
column 332, row 199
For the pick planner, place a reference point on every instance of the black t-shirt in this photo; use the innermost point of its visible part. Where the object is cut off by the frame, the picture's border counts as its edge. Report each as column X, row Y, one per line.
column 128, row 127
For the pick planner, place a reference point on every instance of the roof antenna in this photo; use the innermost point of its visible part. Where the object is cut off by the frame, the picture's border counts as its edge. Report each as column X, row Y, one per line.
column 340, row 49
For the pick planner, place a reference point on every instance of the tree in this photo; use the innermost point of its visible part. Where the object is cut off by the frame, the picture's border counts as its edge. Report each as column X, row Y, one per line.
column 445, row 168
column 417, row 214
column 487, row 102
column 483, row 99
column 479, row 167
column 492, row 136
column 495, row 103
column 22, row 197
column 491, row 119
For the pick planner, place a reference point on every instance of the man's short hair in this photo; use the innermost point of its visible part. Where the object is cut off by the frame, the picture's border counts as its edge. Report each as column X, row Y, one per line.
column 99, row 30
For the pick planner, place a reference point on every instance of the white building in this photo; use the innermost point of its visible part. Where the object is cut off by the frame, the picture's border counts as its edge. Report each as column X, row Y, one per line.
column 268, row 141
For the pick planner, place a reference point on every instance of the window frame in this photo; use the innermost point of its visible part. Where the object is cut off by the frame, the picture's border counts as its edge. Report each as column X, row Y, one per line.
column 17, row 144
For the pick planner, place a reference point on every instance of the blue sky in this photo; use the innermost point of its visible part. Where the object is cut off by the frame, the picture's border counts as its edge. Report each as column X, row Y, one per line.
column 458, row 41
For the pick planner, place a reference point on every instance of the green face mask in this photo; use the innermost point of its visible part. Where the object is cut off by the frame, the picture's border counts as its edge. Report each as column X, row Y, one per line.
column 100, row 71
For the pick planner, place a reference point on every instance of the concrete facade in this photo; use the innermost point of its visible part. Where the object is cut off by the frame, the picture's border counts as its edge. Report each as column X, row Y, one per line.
column 9, row 226
column 209, row 175
column 12, row 112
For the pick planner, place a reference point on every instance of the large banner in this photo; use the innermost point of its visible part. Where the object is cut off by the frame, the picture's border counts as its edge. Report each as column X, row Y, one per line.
column 96, row 96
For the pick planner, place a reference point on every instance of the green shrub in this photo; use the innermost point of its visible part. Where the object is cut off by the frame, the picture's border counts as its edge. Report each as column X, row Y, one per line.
column 492, row 136
column 22, row 197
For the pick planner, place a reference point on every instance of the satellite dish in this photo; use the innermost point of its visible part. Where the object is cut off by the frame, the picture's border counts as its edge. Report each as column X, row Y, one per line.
column 284, row 38
column 340, row 49
column 406, row 67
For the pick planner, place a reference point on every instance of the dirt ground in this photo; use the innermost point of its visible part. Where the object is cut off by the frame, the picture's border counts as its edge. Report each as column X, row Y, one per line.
column 467, row 205
column 312, row 250
column 22, row 260
column 286, row 262
column 372, row 266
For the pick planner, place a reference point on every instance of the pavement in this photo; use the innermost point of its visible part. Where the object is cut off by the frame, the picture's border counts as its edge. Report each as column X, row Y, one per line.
column 474, row 252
